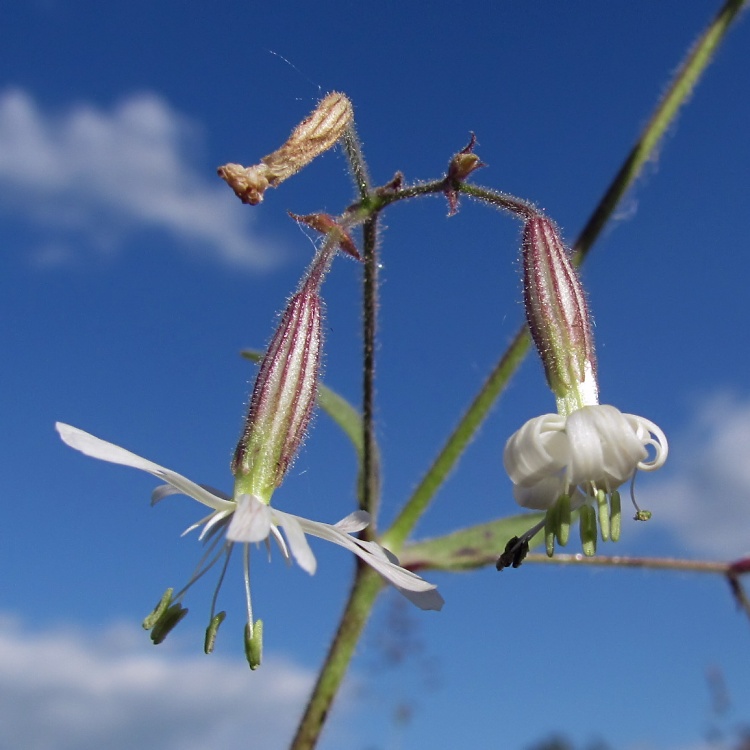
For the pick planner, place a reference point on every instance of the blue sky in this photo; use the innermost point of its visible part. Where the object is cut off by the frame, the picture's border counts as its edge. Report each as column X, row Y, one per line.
column 132, row 277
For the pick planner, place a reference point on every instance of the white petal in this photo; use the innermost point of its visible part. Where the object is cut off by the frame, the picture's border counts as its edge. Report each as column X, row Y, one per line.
column 421, row 593
column 213, row 519
column 295, row 535
column 650, row 434
column 251, row 521
column 354, row 522
column 604, row 447
column 427, row 600
column 539, row 449
column 95, row 447
column 540, row 496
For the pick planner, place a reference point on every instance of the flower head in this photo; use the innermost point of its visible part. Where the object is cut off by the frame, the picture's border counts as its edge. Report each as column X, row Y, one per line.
column 578, row 458
column 594, row 448
column 245, row 519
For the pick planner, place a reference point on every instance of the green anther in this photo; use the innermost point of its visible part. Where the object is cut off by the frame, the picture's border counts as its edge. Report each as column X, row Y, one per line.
column 642, row 515
column 550, row 527
column 254, row 644
column 211, row 632
column 587, row 524
column 604, row 525
column 615, row 516
column 159, row 610
column 167, row 622
column 563, row 520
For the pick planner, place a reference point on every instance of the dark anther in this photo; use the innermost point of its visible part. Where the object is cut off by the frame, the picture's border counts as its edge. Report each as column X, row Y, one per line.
column 515, row 551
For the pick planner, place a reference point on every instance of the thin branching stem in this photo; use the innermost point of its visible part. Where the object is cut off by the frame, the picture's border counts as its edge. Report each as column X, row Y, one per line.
column 367, row 583
column 618, row 561
column 665, row 113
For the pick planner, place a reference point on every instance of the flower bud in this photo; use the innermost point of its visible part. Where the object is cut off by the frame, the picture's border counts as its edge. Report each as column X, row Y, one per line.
column 314, row 135
column 460, row 167
column 283, row 398
column 558, row 316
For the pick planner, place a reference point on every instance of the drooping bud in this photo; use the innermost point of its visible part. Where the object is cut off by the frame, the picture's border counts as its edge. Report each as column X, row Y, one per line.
column 286, row 387
column 314, row 135
column 558, row 316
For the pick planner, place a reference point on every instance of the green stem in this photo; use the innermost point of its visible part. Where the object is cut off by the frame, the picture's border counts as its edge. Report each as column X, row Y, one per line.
column 682, row 85
column 664, row 115
column 367, row 584
column 617, row 561
column 457, row 442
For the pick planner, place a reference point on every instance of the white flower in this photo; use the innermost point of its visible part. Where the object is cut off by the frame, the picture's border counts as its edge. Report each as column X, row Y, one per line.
column 594, row 448
column 249, row 520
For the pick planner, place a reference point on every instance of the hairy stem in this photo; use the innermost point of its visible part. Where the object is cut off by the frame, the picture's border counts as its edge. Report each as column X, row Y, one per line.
column 370, row 489
column 665, row 113
column 367, row 584
column 677, row 94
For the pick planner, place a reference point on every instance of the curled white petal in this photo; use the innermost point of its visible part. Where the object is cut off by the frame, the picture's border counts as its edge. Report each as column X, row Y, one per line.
column 95, row 447
column 539, row 449
column 604, row 448
column 595, row 447
column 650, row 434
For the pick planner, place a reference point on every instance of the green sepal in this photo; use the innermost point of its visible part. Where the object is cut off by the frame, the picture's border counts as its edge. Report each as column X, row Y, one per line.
column 167, row 622
column 212, row 631
column 604, row 520
column 615, row 524
column 469, row 548
column 563, row 520
column 550, row 528
column 254, row 644
column 158, row 610
column 587, row 525
column 341, row 412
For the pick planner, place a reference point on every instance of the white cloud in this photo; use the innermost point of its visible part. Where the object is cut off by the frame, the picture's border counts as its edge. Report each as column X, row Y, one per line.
column 95, row 176
column 705, row 498
column 75, row 690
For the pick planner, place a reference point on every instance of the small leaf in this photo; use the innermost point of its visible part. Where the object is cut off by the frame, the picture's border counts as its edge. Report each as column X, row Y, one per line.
column 473, row 547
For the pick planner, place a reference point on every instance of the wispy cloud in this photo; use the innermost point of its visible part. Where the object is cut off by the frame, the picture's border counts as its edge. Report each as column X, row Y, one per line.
column 69, row 690
column 94, row 177
column 705, row 497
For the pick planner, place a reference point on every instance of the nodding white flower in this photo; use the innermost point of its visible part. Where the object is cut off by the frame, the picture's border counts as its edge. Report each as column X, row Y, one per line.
column 595, row 448
column 561, row 463
column 246, row 519
column 577, row 458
